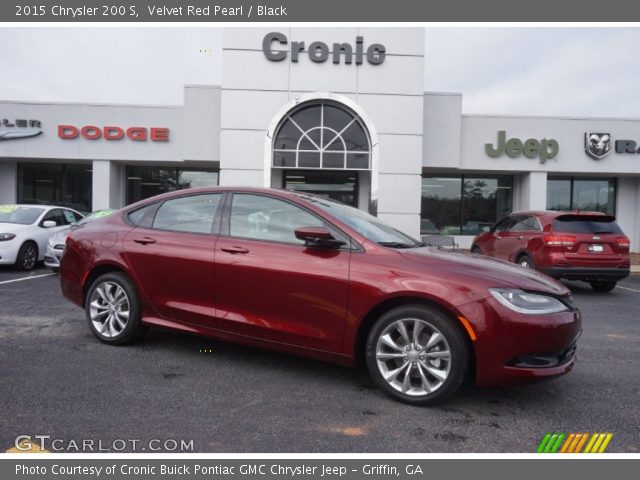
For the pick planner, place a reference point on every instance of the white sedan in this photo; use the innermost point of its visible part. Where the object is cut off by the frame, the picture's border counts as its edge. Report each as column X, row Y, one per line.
column 25, row 231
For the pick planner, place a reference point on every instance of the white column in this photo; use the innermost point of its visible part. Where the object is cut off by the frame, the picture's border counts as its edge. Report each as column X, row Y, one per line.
column 533, row 191
column 627, row 209
column 108, row 185
column 8, row 182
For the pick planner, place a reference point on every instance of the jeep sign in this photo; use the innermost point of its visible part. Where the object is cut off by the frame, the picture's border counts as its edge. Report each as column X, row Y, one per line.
column 544, row 149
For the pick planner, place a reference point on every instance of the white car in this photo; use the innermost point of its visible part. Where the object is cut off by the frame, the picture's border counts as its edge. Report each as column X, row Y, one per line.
column 25, row 231
column 57, row 241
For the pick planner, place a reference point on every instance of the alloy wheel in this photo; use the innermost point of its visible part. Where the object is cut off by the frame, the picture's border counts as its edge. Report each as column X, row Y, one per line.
column 413, row 357
column 29, row 257
column 109, row 309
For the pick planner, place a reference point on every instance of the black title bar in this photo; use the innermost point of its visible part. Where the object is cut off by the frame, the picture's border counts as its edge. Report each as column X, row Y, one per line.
column 319, row 11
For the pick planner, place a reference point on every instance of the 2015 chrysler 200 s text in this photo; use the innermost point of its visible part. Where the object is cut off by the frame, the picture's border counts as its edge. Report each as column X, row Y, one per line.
column 306, row 275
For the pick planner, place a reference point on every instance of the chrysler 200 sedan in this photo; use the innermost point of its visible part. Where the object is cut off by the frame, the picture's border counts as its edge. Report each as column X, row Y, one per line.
column 305, row 275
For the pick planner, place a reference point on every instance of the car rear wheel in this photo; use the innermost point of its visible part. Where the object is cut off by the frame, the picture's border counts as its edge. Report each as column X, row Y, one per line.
column 604, row 287
column 476, row 249
column 525, row 261
column 27, row 256
column 113, row 309
column 417, row 355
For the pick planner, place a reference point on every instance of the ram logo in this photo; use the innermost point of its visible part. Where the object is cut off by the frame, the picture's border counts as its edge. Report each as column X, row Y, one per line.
column 597, row 145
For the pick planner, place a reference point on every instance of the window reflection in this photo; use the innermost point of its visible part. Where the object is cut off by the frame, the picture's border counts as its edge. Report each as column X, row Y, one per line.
column 145, row 182
column 464, row 205
column 56, row 184
column 592, row 194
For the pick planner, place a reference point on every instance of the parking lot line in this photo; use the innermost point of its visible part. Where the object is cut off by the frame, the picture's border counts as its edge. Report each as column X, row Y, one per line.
column 627, row 288
column 27, row 278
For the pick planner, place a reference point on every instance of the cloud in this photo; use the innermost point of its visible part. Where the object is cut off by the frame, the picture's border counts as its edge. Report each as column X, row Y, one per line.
column 537, row 71
column 107, row 65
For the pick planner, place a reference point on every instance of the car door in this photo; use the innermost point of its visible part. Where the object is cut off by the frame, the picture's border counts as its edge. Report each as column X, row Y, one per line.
column 520, row 234
column 508, row 240
column 171, row 255
column 269, row 284
column 491, row 241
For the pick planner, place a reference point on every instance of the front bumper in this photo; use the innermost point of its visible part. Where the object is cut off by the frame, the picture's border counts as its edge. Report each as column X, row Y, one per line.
column 52, row 257
column 9, row 252
column 587, row 274
column 514, row 348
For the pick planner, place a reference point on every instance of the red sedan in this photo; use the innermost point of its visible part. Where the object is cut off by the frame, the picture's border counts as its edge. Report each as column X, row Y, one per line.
column 588, row 246
column 309, row 276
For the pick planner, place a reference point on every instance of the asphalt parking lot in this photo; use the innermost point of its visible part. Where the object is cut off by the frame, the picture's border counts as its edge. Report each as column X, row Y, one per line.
column 57, row 379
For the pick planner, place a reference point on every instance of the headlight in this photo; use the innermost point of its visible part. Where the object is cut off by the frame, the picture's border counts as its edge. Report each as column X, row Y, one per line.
column 527, row 303
column 7, row 236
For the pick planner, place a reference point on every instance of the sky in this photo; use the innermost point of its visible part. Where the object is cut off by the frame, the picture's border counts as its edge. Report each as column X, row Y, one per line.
column 566, row 71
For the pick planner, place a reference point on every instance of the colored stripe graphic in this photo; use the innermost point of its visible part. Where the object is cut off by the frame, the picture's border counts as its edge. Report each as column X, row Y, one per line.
column 557, row 442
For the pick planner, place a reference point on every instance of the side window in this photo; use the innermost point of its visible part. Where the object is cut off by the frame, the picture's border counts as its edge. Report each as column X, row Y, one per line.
column 265, row 218
column 526, row 224
column 503, row 224
column 69, row 216
column 55, row 215
column 77, row 216
column 138, row 217
column 192, row 214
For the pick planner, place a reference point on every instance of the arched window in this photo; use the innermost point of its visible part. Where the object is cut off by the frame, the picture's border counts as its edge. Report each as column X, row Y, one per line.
column 322, row 135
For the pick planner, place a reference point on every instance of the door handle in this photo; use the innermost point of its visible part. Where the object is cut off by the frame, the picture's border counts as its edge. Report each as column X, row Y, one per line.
column 520, row 237
column 234, row 250
column 145, row 240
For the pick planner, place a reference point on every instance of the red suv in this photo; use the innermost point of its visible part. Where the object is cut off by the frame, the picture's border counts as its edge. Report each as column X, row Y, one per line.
column 309, row 276
column 588, row 246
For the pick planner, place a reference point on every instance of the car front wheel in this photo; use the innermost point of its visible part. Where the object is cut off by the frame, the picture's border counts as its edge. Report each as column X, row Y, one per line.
column 27, row 256
column 417, row 355
column 113, row 309
column 604, row 287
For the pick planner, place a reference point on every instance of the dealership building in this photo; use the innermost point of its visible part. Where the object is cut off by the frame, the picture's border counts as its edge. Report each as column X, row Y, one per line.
column 339, row 112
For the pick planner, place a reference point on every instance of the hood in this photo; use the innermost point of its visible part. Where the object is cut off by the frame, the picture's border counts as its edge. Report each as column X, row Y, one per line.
column 60, row 236
column 503, row 274
column 13, row 227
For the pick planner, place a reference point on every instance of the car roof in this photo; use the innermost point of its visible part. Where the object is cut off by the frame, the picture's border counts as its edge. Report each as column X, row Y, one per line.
column 213, row 189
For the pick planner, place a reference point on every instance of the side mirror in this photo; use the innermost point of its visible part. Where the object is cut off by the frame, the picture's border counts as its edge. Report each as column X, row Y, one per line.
column 318, row 237
column 49, row 224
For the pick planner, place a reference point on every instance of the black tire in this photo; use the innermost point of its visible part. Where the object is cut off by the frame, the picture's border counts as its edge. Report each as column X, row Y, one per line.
column 459, row 354
column 604, row 287
column 27, row 258
column 524, row 260
column 476, row 249
column 115, row 334
column 55, row 269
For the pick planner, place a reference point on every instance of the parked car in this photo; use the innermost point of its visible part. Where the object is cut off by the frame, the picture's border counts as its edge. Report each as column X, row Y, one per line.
column 25, row 230
column 587, row 246
column 57, row 241
column 297, row 273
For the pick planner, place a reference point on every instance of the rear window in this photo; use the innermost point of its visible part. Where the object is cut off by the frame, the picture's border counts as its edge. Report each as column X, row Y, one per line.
column 586, row 224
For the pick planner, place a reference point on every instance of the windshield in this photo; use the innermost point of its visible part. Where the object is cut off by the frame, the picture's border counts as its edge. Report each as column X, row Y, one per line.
column 365, row 224
column 19, row 215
